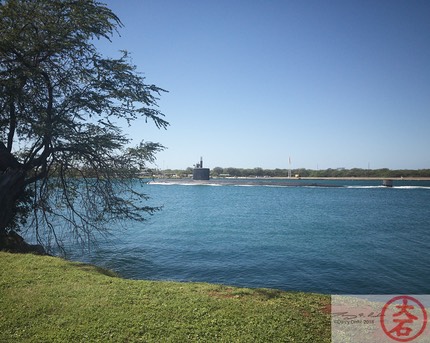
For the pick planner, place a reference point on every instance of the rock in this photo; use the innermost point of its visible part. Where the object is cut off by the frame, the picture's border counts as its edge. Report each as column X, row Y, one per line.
column 12, row 242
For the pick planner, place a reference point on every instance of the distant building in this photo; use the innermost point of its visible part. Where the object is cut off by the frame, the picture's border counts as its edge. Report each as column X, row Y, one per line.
column 200, row 173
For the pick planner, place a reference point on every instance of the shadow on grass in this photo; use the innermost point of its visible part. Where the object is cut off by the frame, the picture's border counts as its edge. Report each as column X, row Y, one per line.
column 95, row 269
column 258, row 293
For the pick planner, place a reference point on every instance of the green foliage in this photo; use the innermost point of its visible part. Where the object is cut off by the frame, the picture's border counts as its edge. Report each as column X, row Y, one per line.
column 341, row 172
column 45, row 299
column 62, row 105
column 302, row 172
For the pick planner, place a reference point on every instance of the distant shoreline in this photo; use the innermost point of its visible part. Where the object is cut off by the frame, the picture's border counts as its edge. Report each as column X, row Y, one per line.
column 283, row 181
column 365, row 178
column 350, row 178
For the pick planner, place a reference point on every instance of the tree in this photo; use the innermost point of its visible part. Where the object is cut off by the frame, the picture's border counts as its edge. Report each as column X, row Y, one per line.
column 217, row 171
column 63, row 154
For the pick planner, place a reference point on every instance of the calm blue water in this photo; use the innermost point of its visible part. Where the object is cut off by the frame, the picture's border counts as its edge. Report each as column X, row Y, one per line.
column 357, row 239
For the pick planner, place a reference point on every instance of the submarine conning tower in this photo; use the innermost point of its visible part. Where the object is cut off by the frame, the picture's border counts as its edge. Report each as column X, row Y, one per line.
column 200, row 173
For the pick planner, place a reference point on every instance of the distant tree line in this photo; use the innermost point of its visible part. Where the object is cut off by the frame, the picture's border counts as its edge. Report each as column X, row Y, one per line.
column 301, row 172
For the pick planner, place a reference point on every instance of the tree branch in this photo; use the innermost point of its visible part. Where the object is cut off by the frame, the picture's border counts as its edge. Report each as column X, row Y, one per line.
column 12, row 124
column 7, row 160
column 47, row 137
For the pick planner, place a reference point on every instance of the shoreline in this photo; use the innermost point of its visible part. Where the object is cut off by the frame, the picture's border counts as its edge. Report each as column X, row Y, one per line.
column 327, row 182
column 363, row 178
column 351, row 178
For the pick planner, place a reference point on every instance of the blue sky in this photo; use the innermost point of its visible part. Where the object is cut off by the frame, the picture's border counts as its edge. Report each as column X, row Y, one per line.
column 330, row 83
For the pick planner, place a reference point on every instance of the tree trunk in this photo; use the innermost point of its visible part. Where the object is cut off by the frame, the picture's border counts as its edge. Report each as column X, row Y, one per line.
column 11, row 187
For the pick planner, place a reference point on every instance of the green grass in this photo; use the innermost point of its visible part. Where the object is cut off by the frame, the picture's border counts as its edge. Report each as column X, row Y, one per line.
column 47, row 299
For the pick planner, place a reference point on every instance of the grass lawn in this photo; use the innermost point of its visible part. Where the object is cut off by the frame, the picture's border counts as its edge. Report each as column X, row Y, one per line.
column 48, row 299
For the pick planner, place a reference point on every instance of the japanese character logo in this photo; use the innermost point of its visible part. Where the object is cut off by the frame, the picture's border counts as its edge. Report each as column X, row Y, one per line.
column 403, row 318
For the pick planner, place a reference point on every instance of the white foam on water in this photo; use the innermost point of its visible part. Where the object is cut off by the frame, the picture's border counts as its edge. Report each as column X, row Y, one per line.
column 274, row 185
column 394, row 187
column 365, row 187
column 173, row 183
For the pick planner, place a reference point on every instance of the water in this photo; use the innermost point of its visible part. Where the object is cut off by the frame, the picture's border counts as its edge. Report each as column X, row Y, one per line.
column 357, row 239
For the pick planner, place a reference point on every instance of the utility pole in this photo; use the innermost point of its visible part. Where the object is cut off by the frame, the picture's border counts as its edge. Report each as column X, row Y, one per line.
column 289, row 167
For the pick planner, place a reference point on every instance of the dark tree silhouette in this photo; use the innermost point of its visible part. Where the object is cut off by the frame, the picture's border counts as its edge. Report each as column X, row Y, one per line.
column 63, row 154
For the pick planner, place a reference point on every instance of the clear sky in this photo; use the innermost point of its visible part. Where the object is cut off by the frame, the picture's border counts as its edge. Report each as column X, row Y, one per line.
column 251, row 83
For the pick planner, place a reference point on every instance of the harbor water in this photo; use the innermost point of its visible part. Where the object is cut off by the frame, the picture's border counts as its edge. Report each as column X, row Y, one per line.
column 334, row 237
